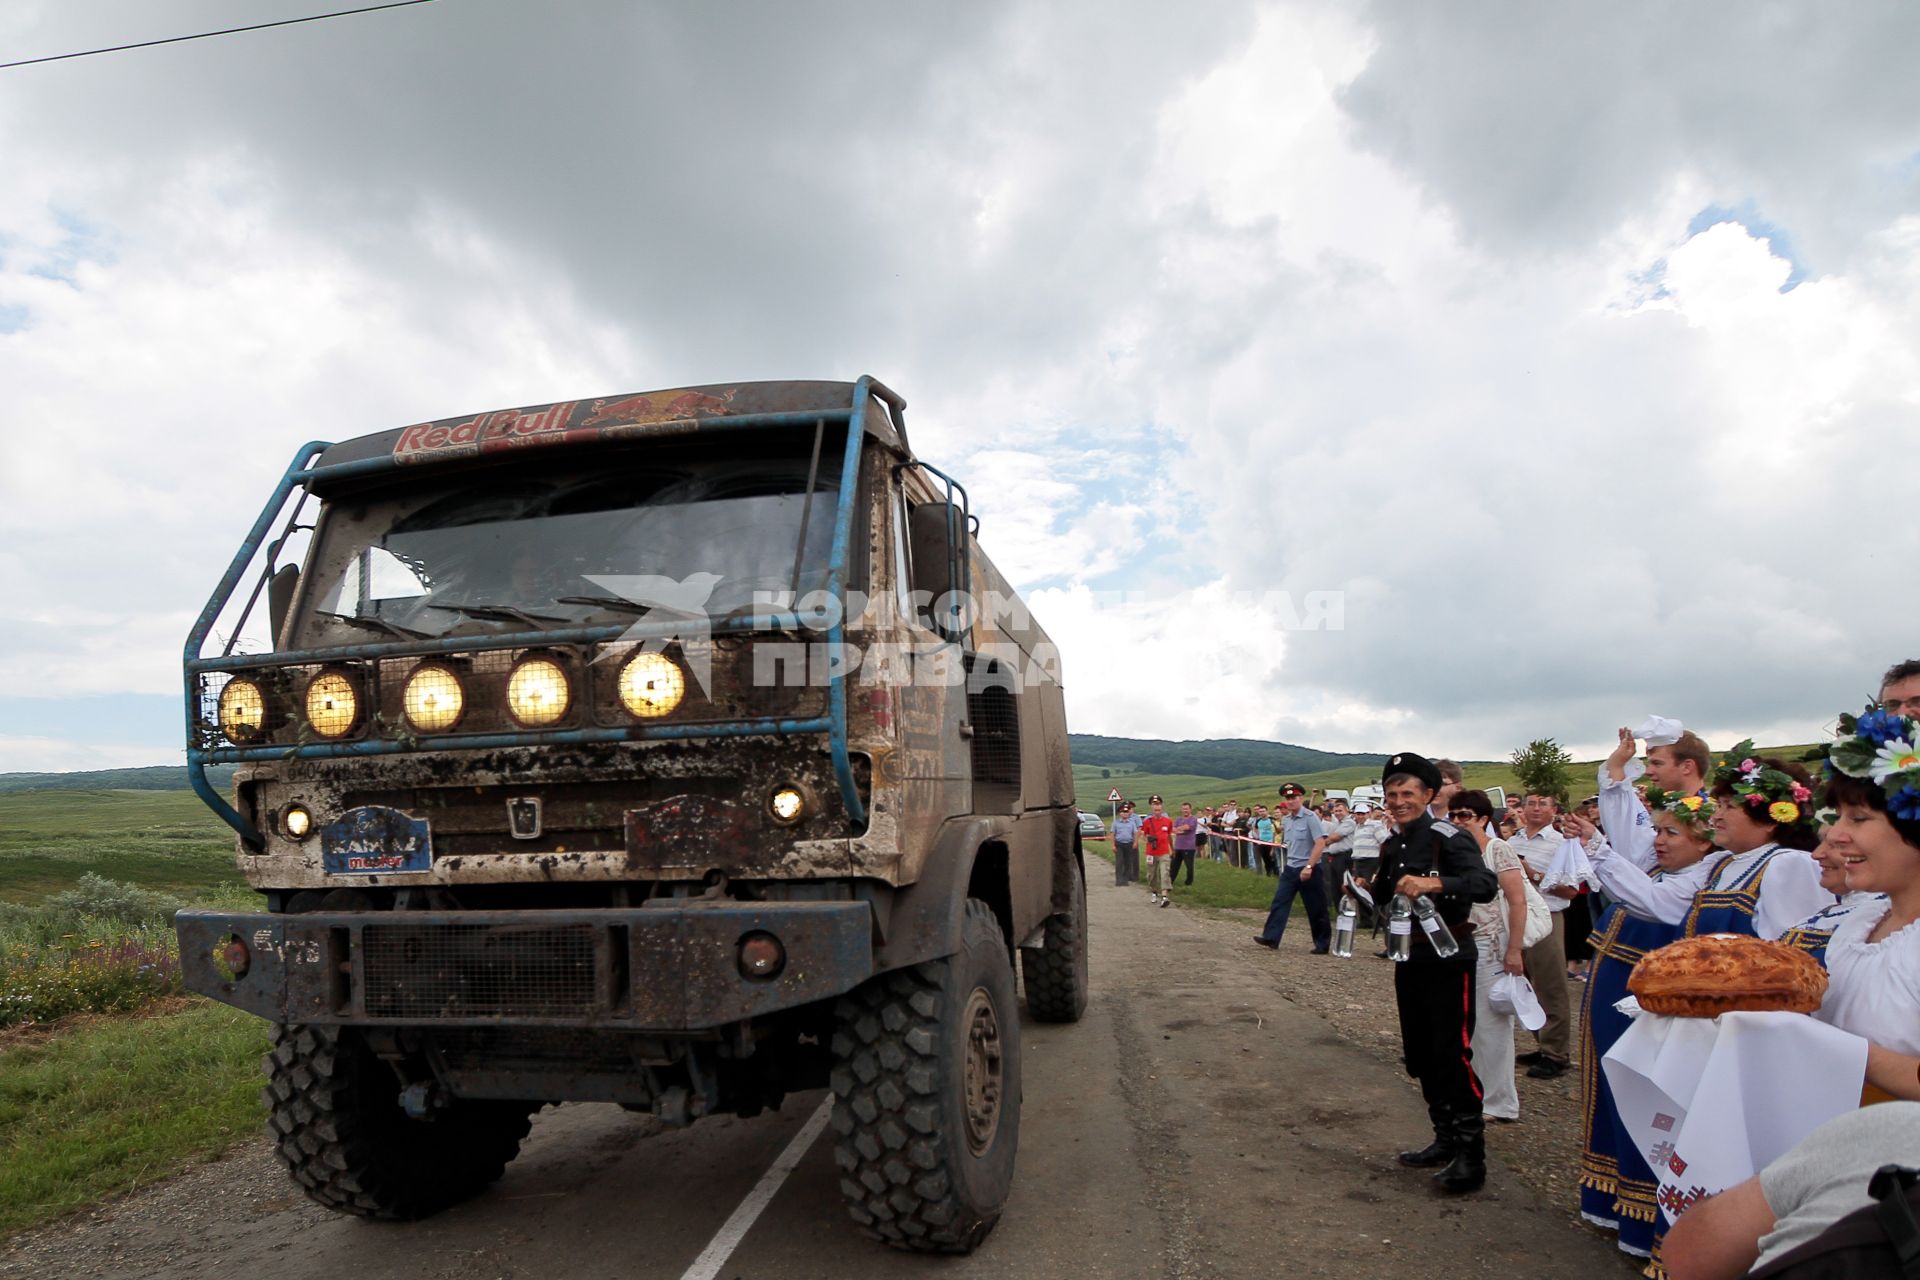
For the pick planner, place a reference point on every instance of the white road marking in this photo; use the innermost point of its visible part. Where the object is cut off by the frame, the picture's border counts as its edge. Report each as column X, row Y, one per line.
column 735, row 1228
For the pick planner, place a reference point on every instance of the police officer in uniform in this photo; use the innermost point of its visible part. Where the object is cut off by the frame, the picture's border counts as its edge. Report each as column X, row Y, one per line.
column 1435, row 995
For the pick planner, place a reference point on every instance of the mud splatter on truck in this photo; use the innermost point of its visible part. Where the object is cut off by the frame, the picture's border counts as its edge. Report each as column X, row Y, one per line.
column 680, row 749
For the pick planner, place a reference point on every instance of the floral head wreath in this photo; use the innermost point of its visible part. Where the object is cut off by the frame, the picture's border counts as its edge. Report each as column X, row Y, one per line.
column 1762, row 789
column 1691, row 808
column 1881, row 746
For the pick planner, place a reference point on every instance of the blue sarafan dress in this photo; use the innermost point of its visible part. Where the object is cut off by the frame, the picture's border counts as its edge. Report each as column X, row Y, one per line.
column 1813, row 936
column 1617, row 1189
column 1718, row 908
column 1730, row 907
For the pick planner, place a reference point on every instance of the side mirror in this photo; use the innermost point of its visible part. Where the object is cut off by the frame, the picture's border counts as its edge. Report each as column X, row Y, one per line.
column 936, row 539
column 280, row 589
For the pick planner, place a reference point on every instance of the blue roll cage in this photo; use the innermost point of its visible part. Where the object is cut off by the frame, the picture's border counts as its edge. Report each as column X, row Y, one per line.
column 301, row 473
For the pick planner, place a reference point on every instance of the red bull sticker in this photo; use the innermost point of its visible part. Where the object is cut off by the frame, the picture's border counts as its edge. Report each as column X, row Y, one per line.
column 568, row 422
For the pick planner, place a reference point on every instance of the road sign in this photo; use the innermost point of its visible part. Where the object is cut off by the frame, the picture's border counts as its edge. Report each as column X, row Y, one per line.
column 1113, row 796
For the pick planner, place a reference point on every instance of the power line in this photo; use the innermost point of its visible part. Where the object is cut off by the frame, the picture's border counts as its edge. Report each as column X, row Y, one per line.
column 207, row 35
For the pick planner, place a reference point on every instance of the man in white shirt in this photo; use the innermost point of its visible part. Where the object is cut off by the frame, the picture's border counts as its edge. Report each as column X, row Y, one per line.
column 1678, row 762
column 1546, row 960
column 1369, row 832
column 1341, row 829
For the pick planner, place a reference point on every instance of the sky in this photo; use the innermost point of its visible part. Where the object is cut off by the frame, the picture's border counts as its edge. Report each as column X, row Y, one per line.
column 1366, row 376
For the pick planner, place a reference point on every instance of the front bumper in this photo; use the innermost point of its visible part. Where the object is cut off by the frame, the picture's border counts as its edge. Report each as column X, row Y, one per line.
column 666, row 968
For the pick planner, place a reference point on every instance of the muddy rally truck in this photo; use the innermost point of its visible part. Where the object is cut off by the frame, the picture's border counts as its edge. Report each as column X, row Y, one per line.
column 680, row 750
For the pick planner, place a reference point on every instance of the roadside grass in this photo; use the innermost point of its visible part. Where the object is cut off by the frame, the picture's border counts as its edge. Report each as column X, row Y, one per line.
column 89, row 882
column 1215, row 884
column 99, row 1107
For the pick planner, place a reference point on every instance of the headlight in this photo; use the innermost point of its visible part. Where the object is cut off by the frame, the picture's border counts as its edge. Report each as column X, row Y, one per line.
column 296, row 821
column 788, row 803
column 243, row 711
column 537, row 692
column 651, row 685
column 434, row 699
column 332, row 705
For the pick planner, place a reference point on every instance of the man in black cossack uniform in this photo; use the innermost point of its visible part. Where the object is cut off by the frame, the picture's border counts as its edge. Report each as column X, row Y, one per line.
column 1435, row 995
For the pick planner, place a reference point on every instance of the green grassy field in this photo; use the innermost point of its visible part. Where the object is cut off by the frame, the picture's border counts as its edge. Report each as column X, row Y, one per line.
column 165, row 841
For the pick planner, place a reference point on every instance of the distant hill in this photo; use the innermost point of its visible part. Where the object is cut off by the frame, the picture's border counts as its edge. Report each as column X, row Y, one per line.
column 1211, row 757
column 157, row 777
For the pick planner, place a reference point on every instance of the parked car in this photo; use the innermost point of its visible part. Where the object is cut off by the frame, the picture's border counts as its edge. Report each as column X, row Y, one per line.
column 1092, row 826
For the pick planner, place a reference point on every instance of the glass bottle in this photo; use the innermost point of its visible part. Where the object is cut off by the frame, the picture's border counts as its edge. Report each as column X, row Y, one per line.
column 1400, row 928
column 1345, row 927
column 1437, row 932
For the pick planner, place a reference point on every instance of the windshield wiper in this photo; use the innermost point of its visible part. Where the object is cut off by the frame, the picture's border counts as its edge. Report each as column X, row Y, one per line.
column 380, row 624
column 607, row 602
column 500, row 613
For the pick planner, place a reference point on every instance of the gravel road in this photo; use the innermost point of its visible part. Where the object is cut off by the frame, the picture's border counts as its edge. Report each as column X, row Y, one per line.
column 1221, row 1111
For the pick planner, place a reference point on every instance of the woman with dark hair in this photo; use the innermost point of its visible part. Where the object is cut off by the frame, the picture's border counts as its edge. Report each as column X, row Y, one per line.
column 1765, row 882
column 1498, row 929
column 1873, row 955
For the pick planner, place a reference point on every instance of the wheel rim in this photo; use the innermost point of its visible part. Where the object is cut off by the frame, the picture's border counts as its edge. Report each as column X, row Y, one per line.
column 983, row 1071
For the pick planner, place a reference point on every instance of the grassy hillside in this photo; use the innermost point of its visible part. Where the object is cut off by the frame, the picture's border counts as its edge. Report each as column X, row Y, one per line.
column 158, row 777
column 1090, row 789
column 1212, row 757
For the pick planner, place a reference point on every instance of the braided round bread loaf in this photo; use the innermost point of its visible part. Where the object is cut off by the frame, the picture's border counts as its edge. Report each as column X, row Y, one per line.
column 1719, row 973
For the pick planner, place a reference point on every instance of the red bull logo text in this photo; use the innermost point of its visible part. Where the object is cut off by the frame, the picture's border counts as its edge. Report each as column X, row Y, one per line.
column 568, row 421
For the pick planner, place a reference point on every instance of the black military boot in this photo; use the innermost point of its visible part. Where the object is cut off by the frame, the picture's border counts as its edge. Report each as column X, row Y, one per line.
column 1468, row 1171
column 1440, row 1150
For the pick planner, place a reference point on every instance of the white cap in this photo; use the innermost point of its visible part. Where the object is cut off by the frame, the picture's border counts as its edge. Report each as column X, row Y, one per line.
column 1361, row 806
column 1658, row 731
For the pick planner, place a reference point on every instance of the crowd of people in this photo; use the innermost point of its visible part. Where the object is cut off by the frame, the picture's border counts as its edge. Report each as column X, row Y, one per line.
column 1822, row 854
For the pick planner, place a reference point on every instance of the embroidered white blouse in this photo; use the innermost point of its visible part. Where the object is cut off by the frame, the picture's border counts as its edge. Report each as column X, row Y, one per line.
column 1873, row 988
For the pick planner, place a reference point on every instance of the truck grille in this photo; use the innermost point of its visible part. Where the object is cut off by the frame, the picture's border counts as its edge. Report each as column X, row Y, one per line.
column 478, row 970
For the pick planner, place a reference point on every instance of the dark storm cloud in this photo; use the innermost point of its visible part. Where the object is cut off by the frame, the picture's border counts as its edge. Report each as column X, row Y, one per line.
column 1543, row 126
column 749, row 189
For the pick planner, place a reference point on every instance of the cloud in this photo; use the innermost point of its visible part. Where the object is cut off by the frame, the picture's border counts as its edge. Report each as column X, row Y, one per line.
column 1417, row 305
column 1543, row 128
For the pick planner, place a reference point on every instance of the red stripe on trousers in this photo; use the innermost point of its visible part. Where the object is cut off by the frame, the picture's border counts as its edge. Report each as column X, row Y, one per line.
column 1466, row 1037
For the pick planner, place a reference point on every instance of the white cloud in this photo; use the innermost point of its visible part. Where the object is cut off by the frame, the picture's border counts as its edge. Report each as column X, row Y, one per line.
column 1387, row 300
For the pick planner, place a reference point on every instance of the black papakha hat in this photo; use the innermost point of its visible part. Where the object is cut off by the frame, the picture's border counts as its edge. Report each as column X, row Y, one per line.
column 1419, row 766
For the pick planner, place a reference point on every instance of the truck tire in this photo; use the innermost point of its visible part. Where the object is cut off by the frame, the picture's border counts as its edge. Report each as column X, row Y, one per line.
column 334, row 1112
column 1056, row 970
column 926, row 1087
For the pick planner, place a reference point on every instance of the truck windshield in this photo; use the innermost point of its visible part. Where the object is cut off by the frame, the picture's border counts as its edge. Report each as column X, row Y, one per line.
column 543, row 546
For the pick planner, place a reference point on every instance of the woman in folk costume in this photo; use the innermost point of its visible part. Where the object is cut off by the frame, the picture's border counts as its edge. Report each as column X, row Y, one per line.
column 1873, row 954
column 1765, row 882
column 1813, row 934
column 1617, row 1189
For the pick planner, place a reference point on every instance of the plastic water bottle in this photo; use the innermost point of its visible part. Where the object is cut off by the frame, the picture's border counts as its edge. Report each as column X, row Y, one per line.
column 1344, row 927
column 1400, row 928
column 1437, row 932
